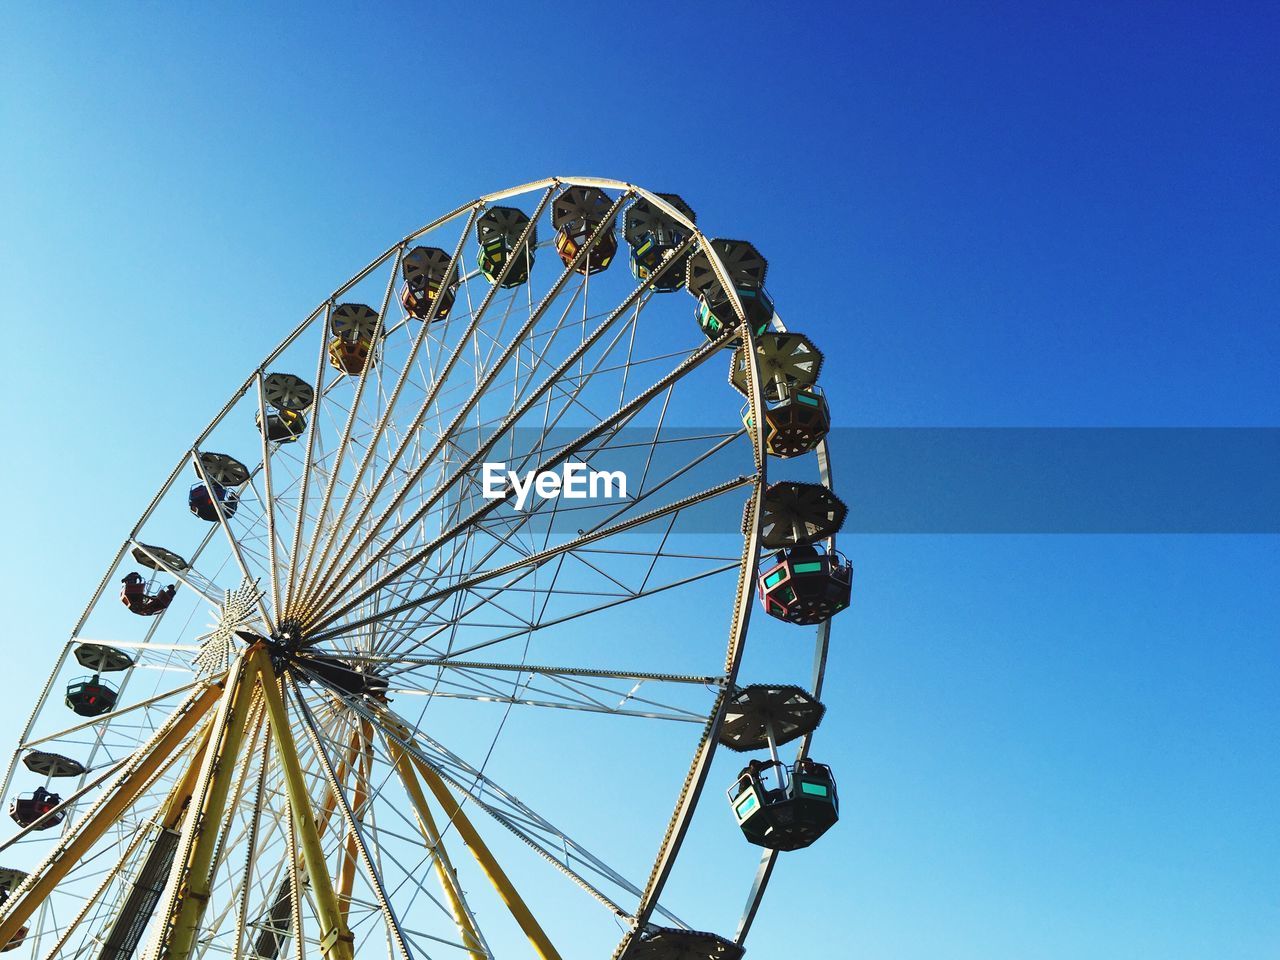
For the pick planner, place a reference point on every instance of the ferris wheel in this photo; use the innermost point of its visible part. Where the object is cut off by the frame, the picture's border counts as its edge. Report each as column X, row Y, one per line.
column 426, row 645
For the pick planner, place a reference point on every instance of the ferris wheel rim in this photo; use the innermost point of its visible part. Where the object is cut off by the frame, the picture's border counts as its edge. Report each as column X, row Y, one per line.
column 748, row 566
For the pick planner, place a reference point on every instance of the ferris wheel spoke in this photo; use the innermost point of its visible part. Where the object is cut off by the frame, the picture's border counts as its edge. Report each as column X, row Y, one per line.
column 491, row 372
column 621, row 416
column 187, row 577
column 638, row 498
column 601, row 531
column 600, row 695
column 107, row 718
column 642, row 495
column 305, row 478
column 411, row 632
column 257, row 529
column 344, row 441
column 438, row 384
column 447, row 662
column 532, row 561
column 400, row 551
column 147, row 646
column 566, row 618
column 584, row 707
column 546, row 389
column 216, row 501
column 464, row 680
column 269, row 504
column 623, row 589
column 408, row 438
column 434, row 761
column 407, row 629
column 389, row 407
column 315, row 462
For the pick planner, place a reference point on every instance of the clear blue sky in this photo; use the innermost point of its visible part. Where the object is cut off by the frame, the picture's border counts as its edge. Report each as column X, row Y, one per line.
column 997, row 214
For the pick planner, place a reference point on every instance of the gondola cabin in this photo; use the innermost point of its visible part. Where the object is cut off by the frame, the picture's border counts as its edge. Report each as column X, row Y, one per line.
column 139, row 597
column 666, row 943
column 206, row 499
column 158, row 558
column 284, row 391
column 34, row 810
column 16, row 940
column 349, row 356
column 91, row 696
column 355, row 328
column 716, row 312
column 794, row 513
column 52, row 764
column 652, row 235
column 498, row 231
column 577, row 214
column 424, row 270
column 787, row 810
column 806, row 585
column 283, row 426
column 745, row 269
column 795, row 424
column 784, row 360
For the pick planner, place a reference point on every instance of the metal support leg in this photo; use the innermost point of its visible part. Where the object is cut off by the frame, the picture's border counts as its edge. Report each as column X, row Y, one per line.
column 336, row 941
column 497, row 876
column 191, row 881
column 361, row 743
column 444, row 869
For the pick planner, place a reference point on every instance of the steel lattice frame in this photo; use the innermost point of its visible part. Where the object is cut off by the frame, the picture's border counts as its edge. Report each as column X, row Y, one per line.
column 367, row 535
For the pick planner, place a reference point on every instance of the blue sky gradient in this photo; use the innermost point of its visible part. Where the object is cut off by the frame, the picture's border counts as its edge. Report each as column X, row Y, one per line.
column 1049, row 747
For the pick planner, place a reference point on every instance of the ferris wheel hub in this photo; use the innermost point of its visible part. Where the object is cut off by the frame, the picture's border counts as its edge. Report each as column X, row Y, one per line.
column 288, row 634
column 287, row 649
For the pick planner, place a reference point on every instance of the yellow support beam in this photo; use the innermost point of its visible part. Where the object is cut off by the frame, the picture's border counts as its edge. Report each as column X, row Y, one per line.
column 179, row 797
column 204, row 816
column 362, row 745
column 444, row 868
column 331, row 801
column 97, row 821
column 295, row 887
column 484, row 857
column 336, row 941
column 322, row 823
column 489, row 864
